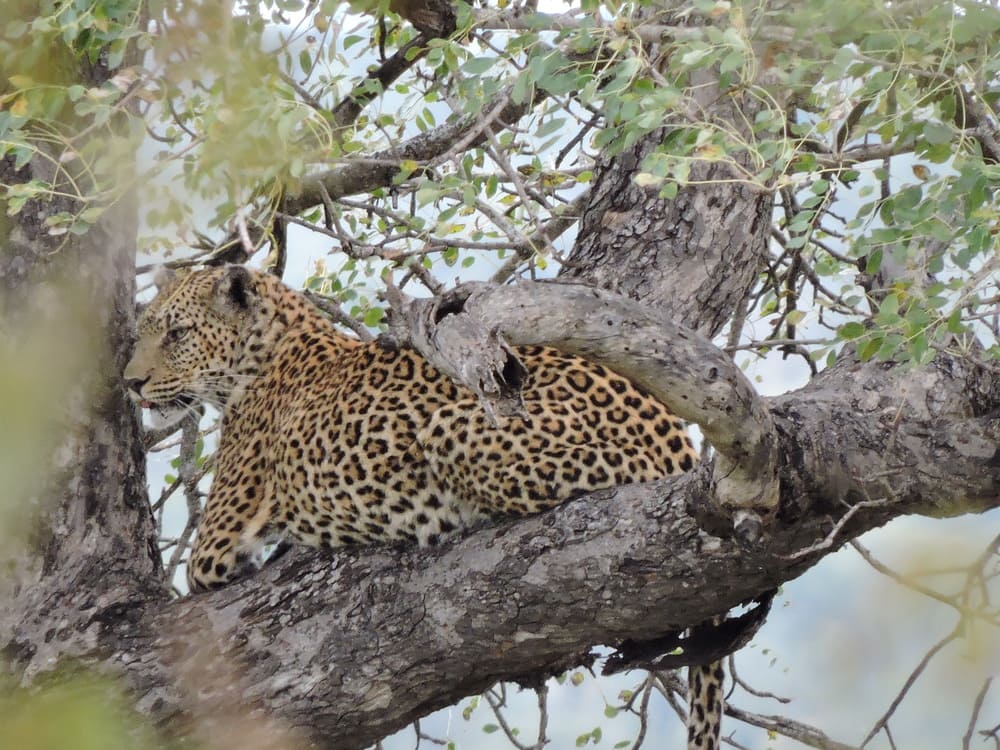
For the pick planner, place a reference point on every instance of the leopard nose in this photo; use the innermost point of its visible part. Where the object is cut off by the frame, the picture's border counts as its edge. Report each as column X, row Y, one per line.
column 135, row 384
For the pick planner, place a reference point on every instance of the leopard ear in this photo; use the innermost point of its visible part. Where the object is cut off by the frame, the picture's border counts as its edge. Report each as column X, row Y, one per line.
column 234, row 292
column 163, row 277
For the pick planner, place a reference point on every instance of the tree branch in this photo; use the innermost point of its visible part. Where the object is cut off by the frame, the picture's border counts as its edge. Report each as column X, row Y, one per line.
column 344, row 649
column 380, row 168
column 686, row 371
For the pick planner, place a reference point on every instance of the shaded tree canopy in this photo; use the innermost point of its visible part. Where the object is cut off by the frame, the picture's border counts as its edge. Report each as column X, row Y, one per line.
column 766, row 187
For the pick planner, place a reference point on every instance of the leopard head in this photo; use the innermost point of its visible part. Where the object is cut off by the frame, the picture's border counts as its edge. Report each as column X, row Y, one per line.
column 188, row 340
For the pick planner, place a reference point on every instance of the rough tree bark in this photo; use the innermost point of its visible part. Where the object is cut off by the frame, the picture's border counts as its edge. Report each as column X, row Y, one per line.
column 707, row 245
column 92, row 553
column 89, row 564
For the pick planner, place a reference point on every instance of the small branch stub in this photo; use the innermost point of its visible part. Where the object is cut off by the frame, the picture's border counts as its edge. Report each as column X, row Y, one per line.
column 463, row 346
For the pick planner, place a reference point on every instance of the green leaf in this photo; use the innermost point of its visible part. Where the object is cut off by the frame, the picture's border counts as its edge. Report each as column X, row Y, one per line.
column 920, row 350
column 732, row 62
column 890, row 347
column 873, row 263
column 92, row 214
column 937, row 133
column 374, row 316
column 476, row 66
column 523, row 89
column 21, row 81
column 427, row 193
column 552, row 126
column 908, row 198
column 851, row 331
column 888, row 311
column 490, row 728
column 801, row 222
column 305, row 61
column 645, row 179
column 868, row 349
column 474, row 703
column 698, row 52
column 669, row 191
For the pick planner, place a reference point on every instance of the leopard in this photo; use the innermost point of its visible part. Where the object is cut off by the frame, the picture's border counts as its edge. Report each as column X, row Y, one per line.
column 330, row 441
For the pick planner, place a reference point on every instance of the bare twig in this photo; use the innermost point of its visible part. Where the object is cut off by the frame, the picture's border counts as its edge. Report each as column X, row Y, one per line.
column 883, row 723
column 336, row 312
column 830, row 538
column 188, row 474
column 977, row 706
column 885, row 570
column 244, row 234
column 737, row 680
column 807, row 735
column 497, row 703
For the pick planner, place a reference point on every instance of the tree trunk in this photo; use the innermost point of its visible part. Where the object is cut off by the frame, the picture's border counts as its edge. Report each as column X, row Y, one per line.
column 91, row 561
column 694, row 257
column 87, row 565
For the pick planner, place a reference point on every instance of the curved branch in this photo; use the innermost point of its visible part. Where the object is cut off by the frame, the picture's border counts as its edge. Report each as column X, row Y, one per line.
column 677, row 365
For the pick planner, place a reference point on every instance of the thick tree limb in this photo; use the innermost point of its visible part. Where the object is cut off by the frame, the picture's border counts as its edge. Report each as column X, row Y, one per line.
column 346, row 649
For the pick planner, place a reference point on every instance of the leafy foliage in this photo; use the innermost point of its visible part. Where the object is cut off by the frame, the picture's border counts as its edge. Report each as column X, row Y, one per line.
column 874, row 124
column 74, row 711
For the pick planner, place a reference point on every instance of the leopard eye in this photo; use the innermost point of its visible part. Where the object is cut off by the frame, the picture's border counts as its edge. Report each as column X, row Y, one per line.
column 176, row 333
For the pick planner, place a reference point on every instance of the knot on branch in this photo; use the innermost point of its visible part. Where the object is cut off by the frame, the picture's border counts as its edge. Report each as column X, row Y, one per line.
column 450, row 335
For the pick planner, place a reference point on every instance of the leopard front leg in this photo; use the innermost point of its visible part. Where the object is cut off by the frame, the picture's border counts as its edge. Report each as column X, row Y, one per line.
column 234, row 526
column 218, row 558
